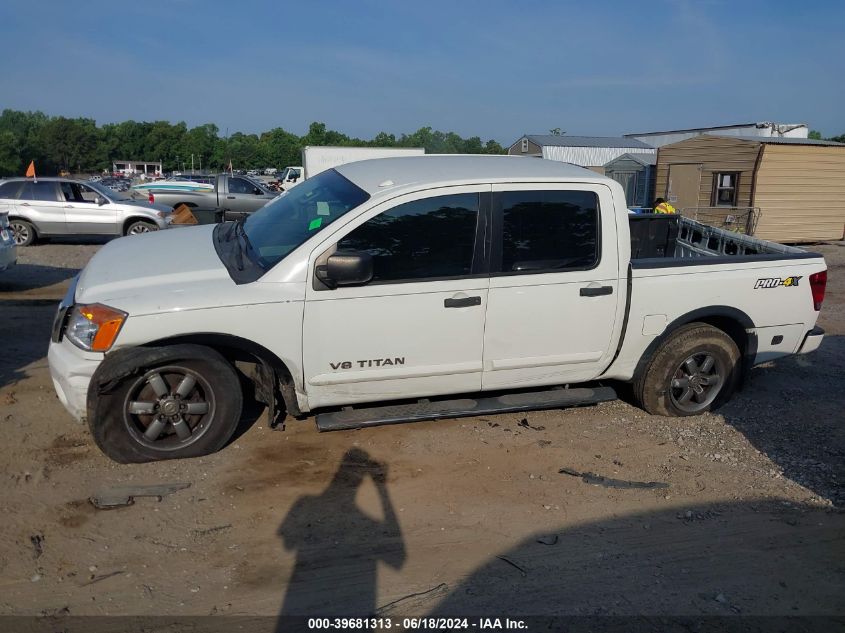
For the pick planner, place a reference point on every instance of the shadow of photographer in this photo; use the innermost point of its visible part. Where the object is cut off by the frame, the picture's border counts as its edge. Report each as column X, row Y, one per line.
column 339, row 545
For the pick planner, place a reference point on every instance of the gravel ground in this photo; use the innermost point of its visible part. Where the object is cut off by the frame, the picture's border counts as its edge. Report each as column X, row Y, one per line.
column 299, row 522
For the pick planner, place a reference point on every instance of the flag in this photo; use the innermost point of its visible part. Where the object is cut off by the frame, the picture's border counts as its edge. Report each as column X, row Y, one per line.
column 30, row 171
column 230, row 166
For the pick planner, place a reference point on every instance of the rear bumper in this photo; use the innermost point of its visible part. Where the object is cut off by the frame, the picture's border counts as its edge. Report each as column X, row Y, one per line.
column 812, row 341
column 8, row 249
column 8, row 256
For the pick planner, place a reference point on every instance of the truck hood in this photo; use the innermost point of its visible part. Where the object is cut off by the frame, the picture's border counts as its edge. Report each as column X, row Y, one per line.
column 158, row 267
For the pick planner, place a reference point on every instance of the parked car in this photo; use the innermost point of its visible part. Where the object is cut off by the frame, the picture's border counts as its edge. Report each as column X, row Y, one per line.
column 8, row 248
column 238, row 194
column 59, row 206
column 463, row 275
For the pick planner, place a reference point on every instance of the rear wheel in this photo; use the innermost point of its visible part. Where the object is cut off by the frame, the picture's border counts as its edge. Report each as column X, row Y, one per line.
column 141, row 226
column 23, row 232
column 696, row 370
column 181, row 408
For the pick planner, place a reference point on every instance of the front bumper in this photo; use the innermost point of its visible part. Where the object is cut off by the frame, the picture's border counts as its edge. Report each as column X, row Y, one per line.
column 71, row 370
column 812, row 341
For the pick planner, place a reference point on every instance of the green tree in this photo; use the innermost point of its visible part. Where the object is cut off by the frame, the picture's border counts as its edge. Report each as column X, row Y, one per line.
column 10, row 158
column 280, row 148
column 70, row 143
column 815, row 134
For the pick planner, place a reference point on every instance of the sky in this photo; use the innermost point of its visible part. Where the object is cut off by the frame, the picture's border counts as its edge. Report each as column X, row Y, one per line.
column 494, row 69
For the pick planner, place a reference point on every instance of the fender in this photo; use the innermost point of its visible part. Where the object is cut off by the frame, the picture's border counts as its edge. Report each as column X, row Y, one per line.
column 718, row 316
column 272, row 377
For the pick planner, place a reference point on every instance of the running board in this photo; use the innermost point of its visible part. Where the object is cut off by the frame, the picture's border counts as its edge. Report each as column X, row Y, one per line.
column 350, row 418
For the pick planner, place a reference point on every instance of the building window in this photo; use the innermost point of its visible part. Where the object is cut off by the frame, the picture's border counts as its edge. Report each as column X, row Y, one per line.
column 524, row 145
column 725, row 189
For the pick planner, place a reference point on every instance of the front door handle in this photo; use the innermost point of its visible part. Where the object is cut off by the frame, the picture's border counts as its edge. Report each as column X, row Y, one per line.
column 464, row 302
column 231, row 197
column 596, row 291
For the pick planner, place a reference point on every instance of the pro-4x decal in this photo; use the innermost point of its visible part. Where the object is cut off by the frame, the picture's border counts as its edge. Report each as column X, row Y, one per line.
column 777, row 282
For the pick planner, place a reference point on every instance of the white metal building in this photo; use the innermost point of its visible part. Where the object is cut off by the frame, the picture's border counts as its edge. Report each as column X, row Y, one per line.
column 587, row 151
column 132, row 167
column 765, row 129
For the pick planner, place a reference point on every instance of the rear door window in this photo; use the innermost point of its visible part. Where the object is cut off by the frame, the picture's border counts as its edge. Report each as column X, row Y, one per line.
column 548, row 231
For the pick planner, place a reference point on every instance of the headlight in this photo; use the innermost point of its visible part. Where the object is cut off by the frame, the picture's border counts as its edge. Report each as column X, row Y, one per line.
column 94, row 327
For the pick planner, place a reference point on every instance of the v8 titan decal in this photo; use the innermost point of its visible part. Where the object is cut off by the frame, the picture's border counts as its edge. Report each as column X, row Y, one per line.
column 776, row 282
column 371, row 362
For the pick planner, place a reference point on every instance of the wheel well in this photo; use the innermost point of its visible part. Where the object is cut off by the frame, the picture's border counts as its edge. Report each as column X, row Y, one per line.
column 133, row 219
column 232, row 347
column 731, row 321
column 22, row 219
column 235, row 348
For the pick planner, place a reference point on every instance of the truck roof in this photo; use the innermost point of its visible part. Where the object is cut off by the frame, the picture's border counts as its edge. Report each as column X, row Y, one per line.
column 380, row 174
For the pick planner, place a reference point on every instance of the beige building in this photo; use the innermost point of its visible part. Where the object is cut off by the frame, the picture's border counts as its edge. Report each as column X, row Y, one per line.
column 797, row 184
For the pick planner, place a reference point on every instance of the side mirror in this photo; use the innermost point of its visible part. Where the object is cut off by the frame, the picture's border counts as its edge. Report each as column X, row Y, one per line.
column 100, row 200
column 346, row 268
column 258, row 192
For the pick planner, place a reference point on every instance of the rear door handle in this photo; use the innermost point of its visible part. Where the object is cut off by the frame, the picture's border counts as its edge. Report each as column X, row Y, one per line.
column 596, row 291
column 464, row 302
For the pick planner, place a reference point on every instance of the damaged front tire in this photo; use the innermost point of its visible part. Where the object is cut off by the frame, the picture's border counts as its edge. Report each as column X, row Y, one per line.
column 153, row 403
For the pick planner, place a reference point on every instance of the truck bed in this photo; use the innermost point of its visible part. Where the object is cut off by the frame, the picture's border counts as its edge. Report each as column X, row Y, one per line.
column 660, row 240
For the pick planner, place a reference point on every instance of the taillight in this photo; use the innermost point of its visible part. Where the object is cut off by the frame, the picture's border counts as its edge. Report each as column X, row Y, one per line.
column 818, row 282
column 152, row 198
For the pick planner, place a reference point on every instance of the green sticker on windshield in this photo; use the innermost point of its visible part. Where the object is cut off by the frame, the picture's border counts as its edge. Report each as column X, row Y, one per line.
column 315, row 224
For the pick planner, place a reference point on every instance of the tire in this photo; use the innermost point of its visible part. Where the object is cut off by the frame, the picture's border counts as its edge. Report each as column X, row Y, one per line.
column 696, row 370
column 23, row 232
column 142, row 419
column 141, row 226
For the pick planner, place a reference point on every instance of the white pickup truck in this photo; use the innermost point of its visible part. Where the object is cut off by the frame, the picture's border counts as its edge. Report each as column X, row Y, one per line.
column 421, row 287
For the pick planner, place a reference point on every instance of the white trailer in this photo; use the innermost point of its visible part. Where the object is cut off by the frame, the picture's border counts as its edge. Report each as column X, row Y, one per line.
column 317, row 159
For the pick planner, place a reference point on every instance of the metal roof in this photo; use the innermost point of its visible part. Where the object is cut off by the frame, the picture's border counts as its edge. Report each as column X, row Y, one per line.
column 759, row 125
column 586, row 141
column 642, row 159
column 779, row 140
column 379, row 175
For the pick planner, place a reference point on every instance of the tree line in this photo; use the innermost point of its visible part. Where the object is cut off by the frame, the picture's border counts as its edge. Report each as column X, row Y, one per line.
column 80, row 145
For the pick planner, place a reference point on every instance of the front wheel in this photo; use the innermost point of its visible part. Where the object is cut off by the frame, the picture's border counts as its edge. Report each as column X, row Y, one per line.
column 695, row 370
column 141, row 226
column 184, row 407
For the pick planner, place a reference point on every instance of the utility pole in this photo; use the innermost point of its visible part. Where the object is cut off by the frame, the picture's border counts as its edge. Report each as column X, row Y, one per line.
column 192, row 164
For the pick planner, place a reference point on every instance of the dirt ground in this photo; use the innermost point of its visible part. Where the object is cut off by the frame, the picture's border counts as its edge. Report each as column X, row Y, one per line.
column 473, row 514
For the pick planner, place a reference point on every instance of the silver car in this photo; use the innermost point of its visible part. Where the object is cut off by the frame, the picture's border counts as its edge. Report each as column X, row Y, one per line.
column 60, row 206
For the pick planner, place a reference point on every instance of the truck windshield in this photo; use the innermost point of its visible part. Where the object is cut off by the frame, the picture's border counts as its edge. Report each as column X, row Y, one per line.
column 289, row 220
